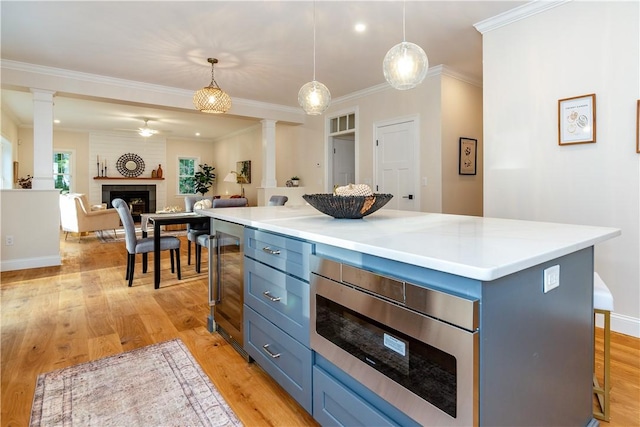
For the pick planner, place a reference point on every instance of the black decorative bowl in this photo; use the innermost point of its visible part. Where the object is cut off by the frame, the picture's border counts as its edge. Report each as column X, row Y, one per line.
column 352, row 207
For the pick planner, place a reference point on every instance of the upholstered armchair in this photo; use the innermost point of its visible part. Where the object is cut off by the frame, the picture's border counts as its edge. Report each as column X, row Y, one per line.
column 78, row 216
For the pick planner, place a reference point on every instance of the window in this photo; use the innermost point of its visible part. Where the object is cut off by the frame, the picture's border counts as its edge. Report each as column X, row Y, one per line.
column 186, row 171
column 62, row 177
column 343, row 123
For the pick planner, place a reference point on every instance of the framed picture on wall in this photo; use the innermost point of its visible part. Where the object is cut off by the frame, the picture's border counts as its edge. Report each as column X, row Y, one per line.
column 243, row 171
column 577, row 120
column 638, row 128
column 468, row 156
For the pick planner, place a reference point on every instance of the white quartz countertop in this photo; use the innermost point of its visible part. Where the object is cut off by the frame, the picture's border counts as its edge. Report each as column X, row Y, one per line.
column 475, row 247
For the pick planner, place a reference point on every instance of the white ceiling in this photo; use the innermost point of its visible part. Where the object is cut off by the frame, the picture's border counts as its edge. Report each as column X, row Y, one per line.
column 264, row 48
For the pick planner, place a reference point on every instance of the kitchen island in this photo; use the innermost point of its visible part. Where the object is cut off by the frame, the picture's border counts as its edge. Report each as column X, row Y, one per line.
column 531, row 283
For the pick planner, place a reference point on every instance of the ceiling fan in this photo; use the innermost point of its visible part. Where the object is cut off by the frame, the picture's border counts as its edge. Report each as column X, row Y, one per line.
column 145, row 131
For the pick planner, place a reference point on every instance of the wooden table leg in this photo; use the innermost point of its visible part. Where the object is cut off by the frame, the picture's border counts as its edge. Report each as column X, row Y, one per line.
column 156, row 255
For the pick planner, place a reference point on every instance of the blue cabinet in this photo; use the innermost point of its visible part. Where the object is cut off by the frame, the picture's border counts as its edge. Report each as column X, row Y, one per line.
column 280, row 252
column 280, row 298
column 335, row 404
column 281, row 356
column 276, row 310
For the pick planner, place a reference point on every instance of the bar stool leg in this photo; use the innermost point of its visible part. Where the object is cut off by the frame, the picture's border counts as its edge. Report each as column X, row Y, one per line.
column 603, row 393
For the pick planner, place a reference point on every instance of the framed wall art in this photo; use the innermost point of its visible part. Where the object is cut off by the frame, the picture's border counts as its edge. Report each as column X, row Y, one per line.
column 243, row 171
column 468, row 156
column 577, row 120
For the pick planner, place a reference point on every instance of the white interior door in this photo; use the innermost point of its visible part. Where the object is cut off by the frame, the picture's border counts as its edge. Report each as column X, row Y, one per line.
column 344, row 160
column 396, row 164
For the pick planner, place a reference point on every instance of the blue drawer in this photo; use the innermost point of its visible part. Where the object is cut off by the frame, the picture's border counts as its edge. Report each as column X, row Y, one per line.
column 292, row 366
column 284, row 253
column 336, row 405
column 282, row 299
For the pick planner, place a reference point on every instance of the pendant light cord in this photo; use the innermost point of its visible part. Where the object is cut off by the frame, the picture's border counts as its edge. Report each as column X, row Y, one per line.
column 314, row 40
column 404, row 35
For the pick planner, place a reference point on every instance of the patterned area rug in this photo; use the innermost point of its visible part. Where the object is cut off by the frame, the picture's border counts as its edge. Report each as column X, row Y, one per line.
column 108, row 236
column 157, row 385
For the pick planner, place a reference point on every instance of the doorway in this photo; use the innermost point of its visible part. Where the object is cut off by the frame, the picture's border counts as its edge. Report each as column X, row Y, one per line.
column 341, row 149
column 343, row 160
column 396, row 154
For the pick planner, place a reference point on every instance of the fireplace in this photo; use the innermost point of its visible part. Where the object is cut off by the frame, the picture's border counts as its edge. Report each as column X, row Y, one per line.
column 140, row 198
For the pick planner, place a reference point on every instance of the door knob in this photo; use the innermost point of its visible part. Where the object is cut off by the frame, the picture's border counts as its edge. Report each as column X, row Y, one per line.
column 410, row 197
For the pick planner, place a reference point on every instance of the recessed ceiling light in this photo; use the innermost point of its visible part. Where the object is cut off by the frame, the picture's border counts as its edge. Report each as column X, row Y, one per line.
column 197, row 133
column 56, row 121
column 360, row 27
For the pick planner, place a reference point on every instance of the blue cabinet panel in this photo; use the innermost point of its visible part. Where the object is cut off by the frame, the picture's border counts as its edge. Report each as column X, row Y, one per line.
column 282, row 299
column 282, row 357
column 336, row 405
column 284, row 253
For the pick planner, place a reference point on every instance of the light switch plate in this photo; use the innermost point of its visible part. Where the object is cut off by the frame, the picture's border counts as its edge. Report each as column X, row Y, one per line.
column 551, row 278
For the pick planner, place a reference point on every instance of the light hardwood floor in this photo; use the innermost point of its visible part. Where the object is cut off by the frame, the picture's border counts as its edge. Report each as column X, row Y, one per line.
column 60, row 316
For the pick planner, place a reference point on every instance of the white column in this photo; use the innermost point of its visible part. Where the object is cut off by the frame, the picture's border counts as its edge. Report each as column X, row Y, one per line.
column 268, row 154
column 42, row 139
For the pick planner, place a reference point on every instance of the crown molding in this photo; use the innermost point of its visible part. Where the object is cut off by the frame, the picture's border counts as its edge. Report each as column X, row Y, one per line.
column 450, row 72
column 238, row 132
column 437, row 70
column 521, row 12
column 130, row 84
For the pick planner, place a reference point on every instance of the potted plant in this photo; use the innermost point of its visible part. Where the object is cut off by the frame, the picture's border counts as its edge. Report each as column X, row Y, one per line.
column 203, row 179
column 295, row 180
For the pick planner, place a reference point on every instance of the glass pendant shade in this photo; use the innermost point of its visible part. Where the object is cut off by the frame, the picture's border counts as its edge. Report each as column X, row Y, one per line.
column 314, row 98
column 405, row 65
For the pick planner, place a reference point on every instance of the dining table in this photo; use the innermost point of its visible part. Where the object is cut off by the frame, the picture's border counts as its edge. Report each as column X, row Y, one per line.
column 159, row 219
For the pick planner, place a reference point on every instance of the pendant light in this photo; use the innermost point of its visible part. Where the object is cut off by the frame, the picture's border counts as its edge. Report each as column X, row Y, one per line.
column 212, row 99
column 314, row 97
column 405, row 65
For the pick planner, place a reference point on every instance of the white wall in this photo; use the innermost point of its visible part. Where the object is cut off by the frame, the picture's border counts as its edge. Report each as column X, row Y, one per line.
column 577, row 48
column 32, row 219
column 110, row 147
column 448, row 107
column 461, row 117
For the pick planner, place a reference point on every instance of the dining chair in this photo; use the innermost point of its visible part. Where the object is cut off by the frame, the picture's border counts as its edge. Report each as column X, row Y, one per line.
column 204, row 240
column 276, row 200
column 143, row 245
column 194, row 230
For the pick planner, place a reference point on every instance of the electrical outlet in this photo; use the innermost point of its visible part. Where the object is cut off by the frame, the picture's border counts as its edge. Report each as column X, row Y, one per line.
column 551, row 278
column 8, row 241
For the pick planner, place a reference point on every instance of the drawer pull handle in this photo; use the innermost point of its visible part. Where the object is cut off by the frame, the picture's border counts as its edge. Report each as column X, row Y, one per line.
column 269, row 352
column 267, row 295
column 270, row 251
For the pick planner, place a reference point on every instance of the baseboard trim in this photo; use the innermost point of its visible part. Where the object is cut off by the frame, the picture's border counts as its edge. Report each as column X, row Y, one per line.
column 25, row 263
column 622, row 324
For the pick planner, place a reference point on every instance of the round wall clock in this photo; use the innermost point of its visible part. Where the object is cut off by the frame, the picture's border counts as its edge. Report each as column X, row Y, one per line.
column 130, row 165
